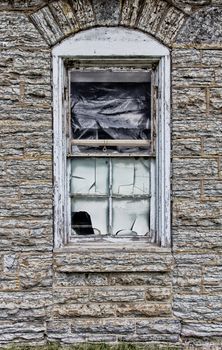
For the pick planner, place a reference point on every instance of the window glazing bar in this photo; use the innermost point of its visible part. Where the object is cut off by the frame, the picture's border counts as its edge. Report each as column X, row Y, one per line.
column 111, row 142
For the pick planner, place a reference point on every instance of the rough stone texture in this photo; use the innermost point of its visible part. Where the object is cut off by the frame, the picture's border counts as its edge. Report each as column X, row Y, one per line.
column 106, row 12
column 21, row 5
column 203, row 27
column 140, row 294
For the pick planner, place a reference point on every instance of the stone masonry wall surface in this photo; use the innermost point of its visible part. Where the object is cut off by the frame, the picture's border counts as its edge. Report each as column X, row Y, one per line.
column 158, row 296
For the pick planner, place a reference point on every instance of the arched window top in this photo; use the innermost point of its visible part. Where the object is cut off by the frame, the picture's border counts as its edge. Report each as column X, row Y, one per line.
column 110, row 42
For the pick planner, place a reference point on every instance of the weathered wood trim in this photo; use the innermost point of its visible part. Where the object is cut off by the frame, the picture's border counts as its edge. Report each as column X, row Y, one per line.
column 112, row 42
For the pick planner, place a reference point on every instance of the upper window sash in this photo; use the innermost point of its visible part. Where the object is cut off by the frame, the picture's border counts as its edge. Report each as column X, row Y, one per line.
column 115, row 75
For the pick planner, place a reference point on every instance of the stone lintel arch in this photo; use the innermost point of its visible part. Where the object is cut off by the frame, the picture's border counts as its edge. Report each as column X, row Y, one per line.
column 61, row 18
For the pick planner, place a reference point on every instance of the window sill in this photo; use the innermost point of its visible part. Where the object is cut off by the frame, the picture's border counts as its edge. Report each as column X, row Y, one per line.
column 107, row 246
column 113, row 258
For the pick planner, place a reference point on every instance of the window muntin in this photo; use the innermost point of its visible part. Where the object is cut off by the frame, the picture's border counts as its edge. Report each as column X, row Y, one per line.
column 111, row 153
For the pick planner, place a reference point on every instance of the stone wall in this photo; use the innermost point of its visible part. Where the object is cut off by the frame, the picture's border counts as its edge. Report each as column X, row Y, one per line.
column 170, row 296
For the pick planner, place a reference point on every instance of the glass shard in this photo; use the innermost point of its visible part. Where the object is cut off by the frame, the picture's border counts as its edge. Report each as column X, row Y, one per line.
column 130, row 217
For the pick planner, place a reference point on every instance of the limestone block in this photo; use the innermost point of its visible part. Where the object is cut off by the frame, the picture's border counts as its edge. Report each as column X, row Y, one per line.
column 212, row 58
column 157, row 330
column 195, row 126
column 185, row 6
column 61, row 18
column 193, row 213
column 212, row 280
column 101, row 338
column 64, row 15
column 106, row 12
column 212, row 189
column 17, row 32
column 129, row 12
column 31, row 306
column 10, row 263
column 204, row 26
column 154, row 309
column 186, row 146
column 47, row 26
column 63, row 279
column 37, row 94
column 95, row 310
column 192, row 258
column 153, row 293
column 188, row 101
column 202, row 329
column 83, row 12
column 36, row 191
column 197, row 239
column 29, row 169
column 26, row 234
column 188, row 77
column 22, row 332
column 170, row 25
column 8, row 272
column 12, row 126
column 11, row 93
column 140, row 278
column 186, row 58
column 156, row 340
column 116, row 261
column 195, row 168
column 8, row 283
column 103, row 326
column 198, row 307
column 99, row 295
column 35, row 271
column 212, row 145
column 215, row 104
column 57, row 330
column 186, row 188
column 187, row 279
column 17, row 4
column 152, row 14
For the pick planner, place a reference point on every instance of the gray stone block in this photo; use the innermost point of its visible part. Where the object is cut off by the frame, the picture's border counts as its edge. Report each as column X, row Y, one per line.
column 107, row 12
column 203, row 26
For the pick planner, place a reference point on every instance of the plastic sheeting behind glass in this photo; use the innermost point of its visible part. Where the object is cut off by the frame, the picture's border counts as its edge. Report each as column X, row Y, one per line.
column 110, row 195
column 111, row 107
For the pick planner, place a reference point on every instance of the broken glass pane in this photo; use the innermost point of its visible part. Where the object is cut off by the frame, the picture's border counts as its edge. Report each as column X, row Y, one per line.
column 130, row 217
column 131, row 176
column 89, row 176
column 89, row 216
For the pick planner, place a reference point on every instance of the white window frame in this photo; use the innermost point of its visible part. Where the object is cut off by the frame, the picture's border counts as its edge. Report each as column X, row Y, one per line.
column 111, row 43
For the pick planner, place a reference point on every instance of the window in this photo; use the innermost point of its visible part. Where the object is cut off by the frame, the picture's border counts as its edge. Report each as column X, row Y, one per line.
column 111, row 132
column 111, row 148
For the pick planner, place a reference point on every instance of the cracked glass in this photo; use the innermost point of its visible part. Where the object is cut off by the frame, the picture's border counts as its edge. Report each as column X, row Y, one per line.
column 110, row 172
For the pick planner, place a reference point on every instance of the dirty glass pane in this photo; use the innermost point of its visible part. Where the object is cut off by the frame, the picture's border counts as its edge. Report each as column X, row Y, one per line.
column 89, row 216
column 130, row 217
column 111, row 107
column 131, row 176
column 89, row 176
